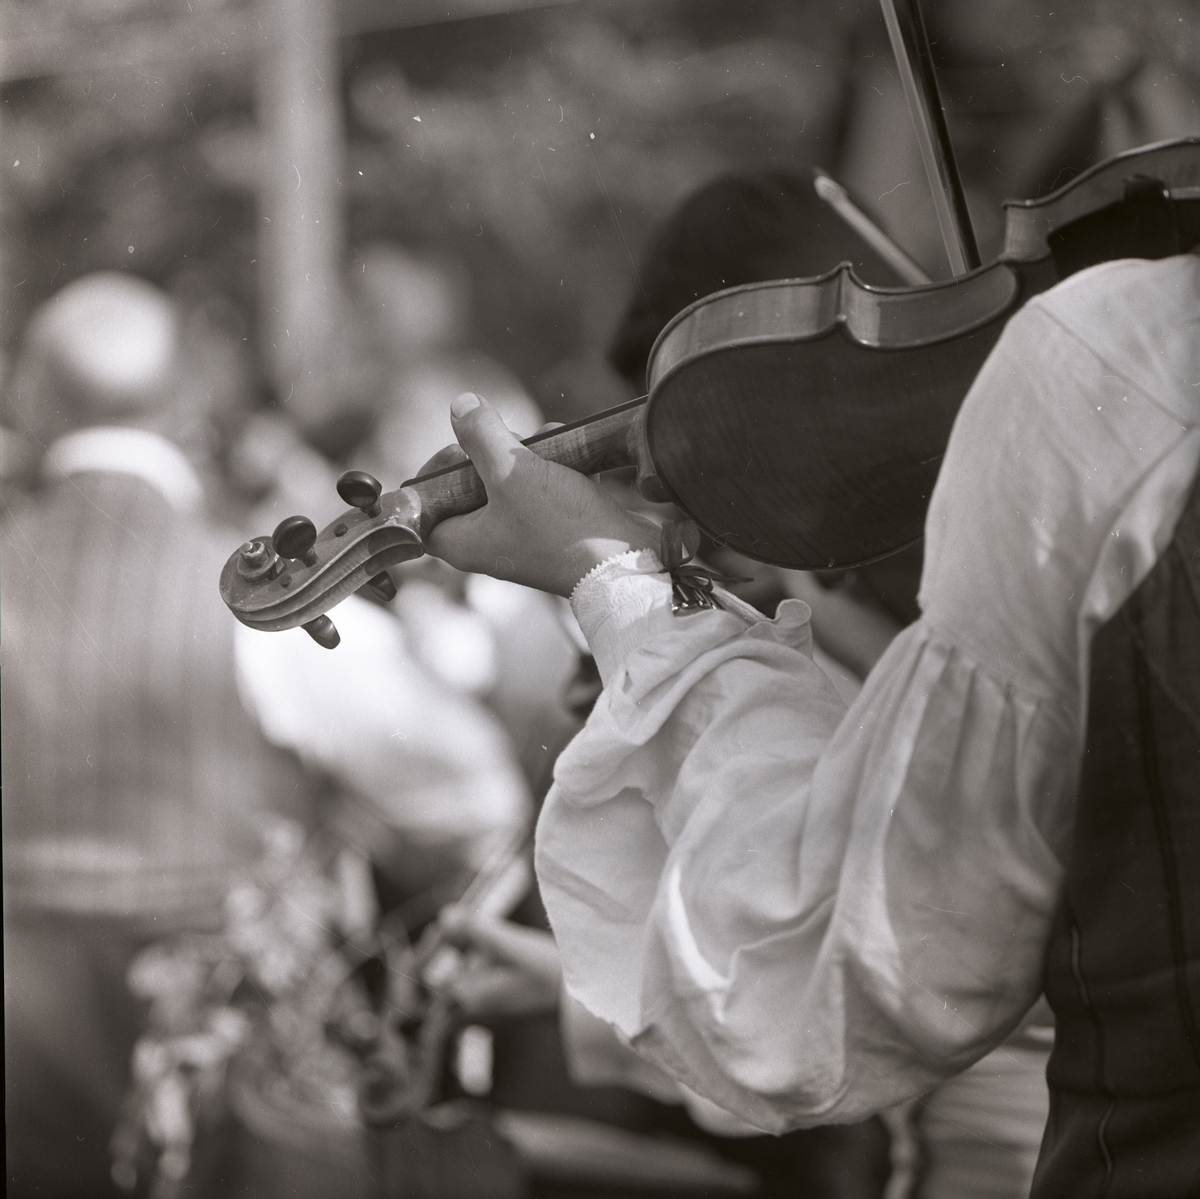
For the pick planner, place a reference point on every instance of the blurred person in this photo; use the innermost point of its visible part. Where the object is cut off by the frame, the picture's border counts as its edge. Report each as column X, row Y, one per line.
column 146, row 730
column 487, row 637
column 132, row 777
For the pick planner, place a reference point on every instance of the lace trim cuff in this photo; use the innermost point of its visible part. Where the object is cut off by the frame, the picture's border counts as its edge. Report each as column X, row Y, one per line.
column 611, row 601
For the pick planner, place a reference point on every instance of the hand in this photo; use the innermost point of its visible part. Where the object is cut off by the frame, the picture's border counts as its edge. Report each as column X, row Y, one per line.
column 508, row 970
column 544, row 525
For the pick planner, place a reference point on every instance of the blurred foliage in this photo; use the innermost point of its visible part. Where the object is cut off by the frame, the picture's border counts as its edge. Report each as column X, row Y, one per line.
column 105, row 172
column 546, row 170
column 265, row 986
column 536, row 149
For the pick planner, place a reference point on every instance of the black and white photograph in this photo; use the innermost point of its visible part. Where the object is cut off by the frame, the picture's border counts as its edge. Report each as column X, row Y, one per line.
column 600, row 598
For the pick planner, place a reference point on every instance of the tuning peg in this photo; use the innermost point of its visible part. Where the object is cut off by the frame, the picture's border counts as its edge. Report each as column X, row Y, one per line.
column 257, row 560
column 382, row 585
column 294, row 537
column 323, row 631
column 360, row 490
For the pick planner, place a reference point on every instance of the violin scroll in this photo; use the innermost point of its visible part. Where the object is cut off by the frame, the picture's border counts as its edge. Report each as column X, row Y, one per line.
column 266, row 592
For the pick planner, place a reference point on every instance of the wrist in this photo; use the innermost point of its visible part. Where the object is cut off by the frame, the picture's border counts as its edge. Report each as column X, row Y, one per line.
column 592, row 552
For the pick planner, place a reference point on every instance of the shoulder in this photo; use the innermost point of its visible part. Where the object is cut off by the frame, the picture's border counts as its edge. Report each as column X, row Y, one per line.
column 1101, row 369
column 1139, row 318
column 1137, row 290
column 1078, row 431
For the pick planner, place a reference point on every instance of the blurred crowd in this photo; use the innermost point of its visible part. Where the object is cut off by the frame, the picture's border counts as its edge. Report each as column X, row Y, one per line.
column 248, row 879
column 152, row 743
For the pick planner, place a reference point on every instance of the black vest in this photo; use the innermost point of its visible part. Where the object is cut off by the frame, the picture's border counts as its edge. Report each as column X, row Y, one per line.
column 1123, row 965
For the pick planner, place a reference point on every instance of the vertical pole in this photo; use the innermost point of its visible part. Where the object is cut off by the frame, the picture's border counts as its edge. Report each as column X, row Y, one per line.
column 910, row 45
column 300, row 236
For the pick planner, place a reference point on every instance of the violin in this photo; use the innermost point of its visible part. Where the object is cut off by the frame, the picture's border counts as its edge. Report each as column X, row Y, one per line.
column 799, row 422
column 803, row 422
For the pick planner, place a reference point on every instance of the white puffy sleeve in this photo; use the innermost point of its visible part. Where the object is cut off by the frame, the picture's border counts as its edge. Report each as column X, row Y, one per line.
column 807, row 913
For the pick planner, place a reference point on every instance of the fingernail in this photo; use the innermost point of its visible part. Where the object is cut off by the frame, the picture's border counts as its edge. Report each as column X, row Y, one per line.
column 467, row 402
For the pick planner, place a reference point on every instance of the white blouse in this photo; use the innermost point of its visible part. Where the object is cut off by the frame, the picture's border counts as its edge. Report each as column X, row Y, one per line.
column 806, row 913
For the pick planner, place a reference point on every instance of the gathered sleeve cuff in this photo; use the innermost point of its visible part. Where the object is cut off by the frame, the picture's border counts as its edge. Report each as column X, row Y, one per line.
column 620, row 605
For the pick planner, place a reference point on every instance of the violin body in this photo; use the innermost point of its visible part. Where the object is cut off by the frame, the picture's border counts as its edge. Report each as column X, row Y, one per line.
column 803, row 422
column 825, row 407
column 800, row 422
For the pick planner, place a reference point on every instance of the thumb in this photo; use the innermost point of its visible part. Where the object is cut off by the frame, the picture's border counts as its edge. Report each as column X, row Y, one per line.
column 490, row 444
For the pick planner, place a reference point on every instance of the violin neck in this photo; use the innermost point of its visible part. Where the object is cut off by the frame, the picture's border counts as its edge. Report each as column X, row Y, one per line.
column 914, row 61
column 607, row 441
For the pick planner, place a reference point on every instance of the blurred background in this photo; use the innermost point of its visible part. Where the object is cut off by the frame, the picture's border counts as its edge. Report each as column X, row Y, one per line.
column 251, row 158
column 281, row 236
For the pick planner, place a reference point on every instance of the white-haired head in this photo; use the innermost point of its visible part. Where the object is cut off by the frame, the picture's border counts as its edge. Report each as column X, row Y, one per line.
column 103, row 350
